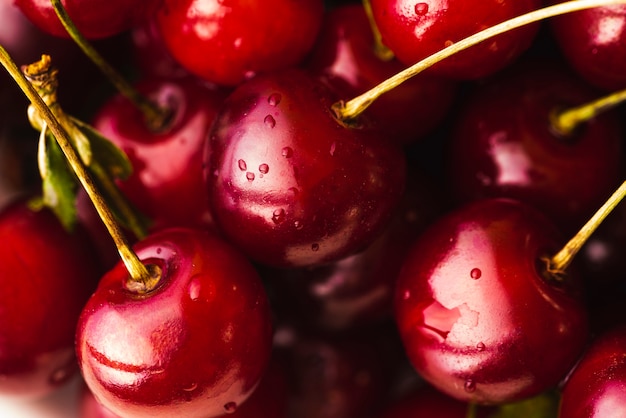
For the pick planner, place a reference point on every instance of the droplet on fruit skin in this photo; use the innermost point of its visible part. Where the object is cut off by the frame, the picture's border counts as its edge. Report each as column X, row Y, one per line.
column 250, row 176
column 242, row 165
column 274, row 99
column 298, row 225
column 406, row 295
column 264, row 168
column 315, row 247
column 287, row 152
column 470, row 385
column 333, row 146
column 476, row 273
column 269, row 121
column 194, row 289
column 230, row 407
column 191, row 387
column 480, row 346
column 278, row 216
column 158, row 250
column 421, row 9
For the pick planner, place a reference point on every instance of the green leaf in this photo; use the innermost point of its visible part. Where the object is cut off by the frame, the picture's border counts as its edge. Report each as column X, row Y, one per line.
column 543, row 406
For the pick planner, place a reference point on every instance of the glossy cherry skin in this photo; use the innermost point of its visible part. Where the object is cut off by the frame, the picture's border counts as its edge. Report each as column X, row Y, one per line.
column 415, row 30
column 594, row 43
column 167, row 180
column 238, row 38
column 95, row 19
column 196, row 345
column 46, row 276
column 344, row 55
column 291, row 186
column 469, row 299
column 503, row 145
column 597, row 386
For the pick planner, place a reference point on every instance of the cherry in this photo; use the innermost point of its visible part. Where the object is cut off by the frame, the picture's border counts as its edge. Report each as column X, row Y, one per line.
column 94, row 19
column 415, row 30
column 593, row 42
column 196, row 344
column 167, row 164
column 291, row 186
column 345, row 55
column 468, row 298
column 46, row 275
column 504, row 144
column 597, row 386
column 238, row 38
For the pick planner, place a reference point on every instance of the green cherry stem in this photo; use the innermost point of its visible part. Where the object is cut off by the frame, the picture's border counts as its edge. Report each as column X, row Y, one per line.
column 565, row 122
column 155, row 116
column 380, row 49
column 350, row 110
column 561, row 260
column 143, row 277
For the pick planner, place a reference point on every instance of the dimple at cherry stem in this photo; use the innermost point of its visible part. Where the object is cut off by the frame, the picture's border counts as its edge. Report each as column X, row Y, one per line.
column 565, row 122
column 558, row 263
column 350, row 110
column 144, row 277
column 155, row 116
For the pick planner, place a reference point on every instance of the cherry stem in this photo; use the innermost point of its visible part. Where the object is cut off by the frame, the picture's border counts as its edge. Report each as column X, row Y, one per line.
column 143, row 276
column 472, row 409
column 346, row 111
column 561, row 260
column 564, row 122
column 155, row 116
column 380, row 49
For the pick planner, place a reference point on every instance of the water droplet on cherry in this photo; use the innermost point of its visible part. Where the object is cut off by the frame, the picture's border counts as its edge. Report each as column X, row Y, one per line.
column 333, row 146
column 315, row 247
column 250, row 176
column 269, row 121
column 158, row 250
column 278, row 216
column 230, row 407
column 480, row 346
column 242, row 165
column 191, row 387
column 194, row 289
column 264, row 168
column 298, row 225
column 237, row 42
column 421, row 9
column 470, row 386
column 274, row 99
column 287, row 152
column 476, row 273
column 406, row 295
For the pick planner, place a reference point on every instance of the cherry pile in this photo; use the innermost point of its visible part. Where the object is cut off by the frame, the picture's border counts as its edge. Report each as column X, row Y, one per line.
column 239, row 229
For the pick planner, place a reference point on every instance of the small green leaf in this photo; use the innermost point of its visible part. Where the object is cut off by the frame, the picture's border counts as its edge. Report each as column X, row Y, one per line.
column 542, row 406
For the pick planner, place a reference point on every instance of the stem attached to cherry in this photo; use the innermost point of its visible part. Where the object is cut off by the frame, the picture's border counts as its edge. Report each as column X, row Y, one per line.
column 380, row 49
column 565, row 122
column 350, row 110
column 156, row 117
column 144, row 278
column 557, row 264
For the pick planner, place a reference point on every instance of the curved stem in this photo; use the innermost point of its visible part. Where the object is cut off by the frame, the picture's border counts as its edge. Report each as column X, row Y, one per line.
column 564, row 122
column 139, row 273
column 380, row 49
column 155, row 116
column 351, row 109
column 561, row 260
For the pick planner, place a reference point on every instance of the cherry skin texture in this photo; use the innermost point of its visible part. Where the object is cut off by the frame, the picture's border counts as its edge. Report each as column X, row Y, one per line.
column 415, row 30
column 597, row 386
column 288, row 184
column 594, row 43
column 46, row 276
column 95, row 19
column 238, row 38
column 167, row 180
column 344, row 55
column 503, row 145
column 197, row 345
column 469, row 299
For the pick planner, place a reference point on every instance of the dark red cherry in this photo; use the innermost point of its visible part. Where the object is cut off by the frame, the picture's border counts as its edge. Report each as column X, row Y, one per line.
column 597, row 386
column 46, row 276
column 167, row 181
column 344, row 54
column 238, row 39
column 94, row 19
column 196, row 345
column 594, row 43
column 478, row 318
column 414, row 30
column 503, row 145
column 290, row 185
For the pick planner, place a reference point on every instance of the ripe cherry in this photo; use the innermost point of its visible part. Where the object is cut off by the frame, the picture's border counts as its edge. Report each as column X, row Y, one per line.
column 290, row 185
column 238, row 38
column 468, row 301
column 46, row 276
column 414, row 30
column 195, row 345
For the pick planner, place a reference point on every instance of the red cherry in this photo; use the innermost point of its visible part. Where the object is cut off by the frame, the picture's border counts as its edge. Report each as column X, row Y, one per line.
column 238, row 38
column 414, row 30
column 597, row 386
column 288, row 184
column 594, row 43
column 167, row 165
column 503, row 145
column 196, row 345
column 469, row 299
column 46, row 276
column 344, row 54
